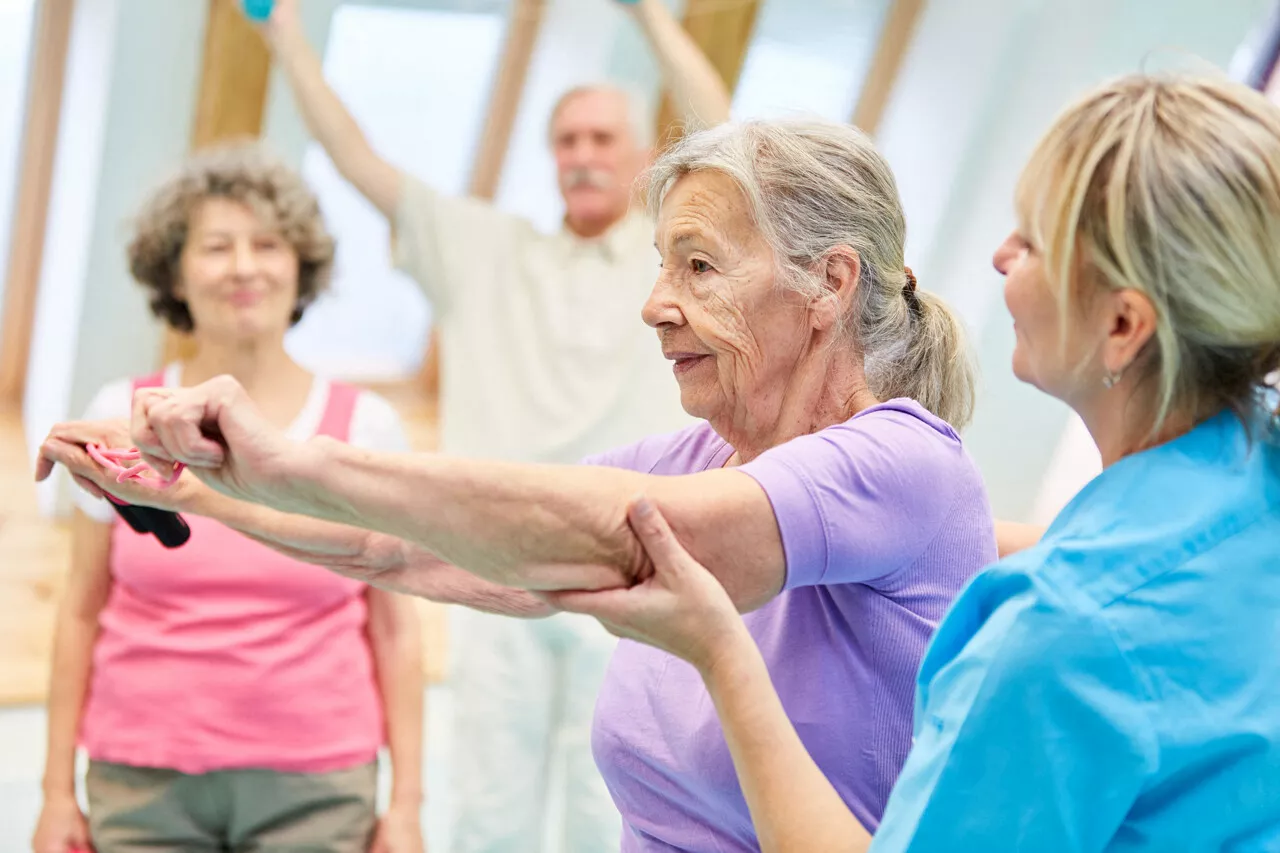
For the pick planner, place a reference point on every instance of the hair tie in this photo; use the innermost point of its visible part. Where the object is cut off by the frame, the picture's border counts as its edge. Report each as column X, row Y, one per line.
column 910, row 287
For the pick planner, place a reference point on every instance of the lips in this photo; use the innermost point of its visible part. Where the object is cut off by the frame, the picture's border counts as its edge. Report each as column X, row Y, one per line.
column 245, row 298
column 685, row 360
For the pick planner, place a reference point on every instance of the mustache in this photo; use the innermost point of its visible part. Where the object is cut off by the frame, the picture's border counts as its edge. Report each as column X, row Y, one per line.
column 594, row 178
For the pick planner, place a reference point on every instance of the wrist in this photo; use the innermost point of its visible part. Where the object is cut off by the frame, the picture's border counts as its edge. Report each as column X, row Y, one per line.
column 296, row 473
column 723, row 660
column 55, row 789
column 408, row 803
column 283, row 39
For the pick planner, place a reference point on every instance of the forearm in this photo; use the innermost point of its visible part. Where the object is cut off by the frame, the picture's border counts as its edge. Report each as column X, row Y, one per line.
column 699, row 92
column 396, row 638
column 1012, row 537
column 379, row 560
column 74, row 638
column 793, row 805
column 528, row 526
column 332, row 125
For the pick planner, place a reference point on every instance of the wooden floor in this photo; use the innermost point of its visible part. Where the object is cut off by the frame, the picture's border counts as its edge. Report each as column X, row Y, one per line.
column 33, row 556
column 34, row 553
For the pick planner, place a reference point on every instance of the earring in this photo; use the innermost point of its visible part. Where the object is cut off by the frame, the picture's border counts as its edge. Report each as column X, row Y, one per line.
column 1111, row 377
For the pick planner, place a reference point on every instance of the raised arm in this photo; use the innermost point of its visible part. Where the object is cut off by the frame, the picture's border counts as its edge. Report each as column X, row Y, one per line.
column 531, row 526
column 700, row 94
column 325, row 115
column 378, row 559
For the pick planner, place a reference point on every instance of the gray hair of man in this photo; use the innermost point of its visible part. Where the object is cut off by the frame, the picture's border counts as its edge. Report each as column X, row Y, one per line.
column 815, row 186
column 639, row 110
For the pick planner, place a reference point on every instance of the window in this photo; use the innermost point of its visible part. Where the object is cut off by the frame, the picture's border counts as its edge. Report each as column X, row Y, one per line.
column 808, row 57
column 417, row 81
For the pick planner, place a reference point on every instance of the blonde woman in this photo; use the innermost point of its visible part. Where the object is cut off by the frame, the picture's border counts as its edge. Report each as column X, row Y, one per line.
column 230, row 697
column 1116, row 686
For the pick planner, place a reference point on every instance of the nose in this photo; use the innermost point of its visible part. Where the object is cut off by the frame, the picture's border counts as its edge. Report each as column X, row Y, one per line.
column 1005, row 254
column 661, row 310
column 244, row 259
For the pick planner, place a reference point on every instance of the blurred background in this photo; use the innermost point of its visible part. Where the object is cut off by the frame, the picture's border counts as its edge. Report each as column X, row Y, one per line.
column 99, row 99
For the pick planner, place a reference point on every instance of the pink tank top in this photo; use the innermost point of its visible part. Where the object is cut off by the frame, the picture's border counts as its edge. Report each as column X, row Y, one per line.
column 225, row 654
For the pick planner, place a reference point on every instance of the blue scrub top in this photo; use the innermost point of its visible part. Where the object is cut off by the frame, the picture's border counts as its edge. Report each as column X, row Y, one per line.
column 1117, row 687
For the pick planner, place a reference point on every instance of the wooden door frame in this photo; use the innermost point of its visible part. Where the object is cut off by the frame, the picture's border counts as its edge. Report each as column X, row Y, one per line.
column 51, row 37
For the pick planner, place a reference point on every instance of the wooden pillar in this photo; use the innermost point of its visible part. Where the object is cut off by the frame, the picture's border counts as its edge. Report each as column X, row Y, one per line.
column 52, row 33
column 504, row 100
column 723, row 31
column 899, row 26
column 232, row 99
column 495, row 137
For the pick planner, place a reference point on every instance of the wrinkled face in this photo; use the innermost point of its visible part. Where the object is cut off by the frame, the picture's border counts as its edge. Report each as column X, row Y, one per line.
column 597, row 158
column 1072, row 373
column 734, row 335
column 239, row 275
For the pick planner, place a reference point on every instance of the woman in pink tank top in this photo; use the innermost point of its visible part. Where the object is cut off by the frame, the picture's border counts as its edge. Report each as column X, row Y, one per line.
column 230, row 697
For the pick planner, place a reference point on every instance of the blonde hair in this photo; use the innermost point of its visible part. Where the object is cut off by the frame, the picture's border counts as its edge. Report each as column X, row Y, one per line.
column 241, row 171
column 1170, row 186
column 814, row 187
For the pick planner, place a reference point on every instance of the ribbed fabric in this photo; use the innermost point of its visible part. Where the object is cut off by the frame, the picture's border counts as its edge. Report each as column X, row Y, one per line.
column 883, row 519
column 225, row 654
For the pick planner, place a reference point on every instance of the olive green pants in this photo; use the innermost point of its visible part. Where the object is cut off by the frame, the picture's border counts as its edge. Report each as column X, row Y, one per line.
column 141, row 808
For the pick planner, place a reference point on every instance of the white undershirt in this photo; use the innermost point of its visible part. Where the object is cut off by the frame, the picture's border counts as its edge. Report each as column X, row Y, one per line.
column 375, row 424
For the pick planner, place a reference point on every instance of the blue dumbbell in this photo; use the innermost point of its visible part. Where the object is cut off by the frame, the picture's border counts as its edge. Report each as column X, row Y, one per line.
column 258, row 10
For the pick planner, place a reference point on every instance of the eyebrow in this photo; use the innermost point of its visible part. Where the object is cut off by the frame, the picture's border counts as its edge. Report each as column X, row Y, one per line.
column 685, row 236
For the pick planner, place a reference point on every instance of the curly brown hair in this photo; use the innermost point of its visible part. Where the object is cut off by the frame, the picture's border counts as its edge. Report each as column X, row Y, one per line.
column 242, row 172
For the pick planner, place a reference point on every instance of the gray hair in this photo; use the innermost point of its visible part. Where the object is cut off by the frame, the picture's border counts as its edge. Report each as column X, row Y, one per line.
column 814, row 187
column 639, row 110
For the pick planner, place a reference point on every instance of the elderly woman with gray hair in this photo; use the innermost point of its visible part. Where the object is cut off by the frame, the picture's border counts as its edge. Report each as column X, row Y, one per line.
column 826, row 487
column 1114, row 687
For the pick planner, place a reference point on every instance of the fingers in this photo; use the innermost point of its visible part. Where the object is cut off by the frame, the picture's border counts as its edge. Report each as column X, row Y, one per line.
column 169, row 426
column 655, row 535
column 44, row 466
column 606, row 604
column 177, row 423
column 141, row 433
column 89, row 486
column 58, row 452
column 72, row 456
column 108, row 433
column 65, row 440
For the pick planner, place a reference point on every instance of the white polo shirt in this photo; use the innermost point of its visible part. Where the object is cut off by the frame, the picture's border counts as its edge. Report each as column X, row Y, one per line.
column 544, row 356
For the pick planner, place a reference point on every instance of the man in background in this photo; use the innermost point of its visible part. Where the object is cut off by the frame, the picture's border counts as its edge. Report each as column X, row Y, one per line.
column 544, row 359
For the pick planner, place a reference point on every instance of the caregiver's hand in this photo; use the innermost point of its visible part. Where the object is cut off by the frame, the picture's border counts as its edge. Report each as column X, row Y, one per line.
column 219, row 434
column 680, row 608
column 65, row 445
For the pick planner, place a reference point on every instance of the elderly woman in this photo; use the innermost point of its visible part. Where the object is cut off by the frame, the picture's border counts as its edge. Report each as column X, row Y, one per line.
column 203, row 682
column 827, row 488
column 1115, row 687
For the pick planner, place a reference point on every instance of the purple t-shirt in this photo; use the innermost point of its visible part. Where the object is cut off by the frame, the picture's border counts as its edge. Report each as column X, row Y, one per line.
column 883, row 519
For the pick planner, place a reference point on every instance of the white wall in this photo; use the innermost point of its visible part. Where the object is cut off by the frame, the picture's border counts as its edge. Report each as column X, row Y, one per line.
column 127, row 113
column 981, row 81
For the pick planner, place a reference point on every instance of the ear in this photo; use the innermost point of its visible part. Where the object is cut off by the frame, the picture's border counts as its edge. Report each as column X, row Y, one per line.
column 1131, row 323
column 840, row 271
